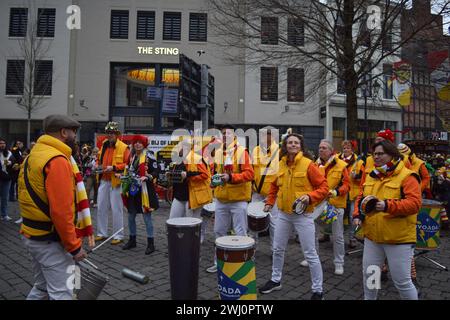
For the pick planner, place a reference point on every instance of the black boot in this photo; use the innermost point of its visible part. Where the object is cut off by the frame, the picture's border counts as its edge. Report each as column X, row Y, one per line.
column 130, row 244
column 150, row 246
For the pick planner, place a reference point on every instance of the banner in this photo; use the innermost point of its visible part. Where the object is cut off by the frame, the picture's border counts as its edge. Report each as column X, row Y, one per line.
column 401, row 81
column 439, row 66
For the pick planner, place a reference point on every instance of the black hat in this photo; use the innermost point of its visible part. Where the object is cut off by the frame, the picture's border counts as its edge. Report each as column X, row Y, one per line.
column 56, row 122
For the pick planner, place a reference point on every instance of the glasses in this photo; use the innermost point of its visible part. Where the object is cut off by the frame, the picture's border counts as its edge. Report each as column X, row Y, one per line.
column 379, row 154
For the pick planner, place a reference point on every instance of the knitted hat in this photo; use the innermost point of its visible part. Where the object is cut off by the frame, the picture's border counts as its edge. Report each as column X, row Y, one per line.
column 386, row 134
column 404, row 149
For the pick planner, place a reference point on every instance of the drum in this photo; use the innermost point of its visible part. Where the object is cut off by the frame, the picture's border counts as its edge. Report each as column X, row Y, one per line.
column 319, row 209
column 184, row 255
column 368, row 204
column 216, row 180
column 428, row 225
column 257, row 219
column 91, row 284
column 208, row 210
column 236, row 274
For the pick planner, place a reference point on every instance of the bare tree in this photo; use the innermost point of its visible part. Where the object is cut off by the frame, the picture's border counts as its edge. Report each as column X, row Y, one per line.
column 342, row 41
column 33, row 50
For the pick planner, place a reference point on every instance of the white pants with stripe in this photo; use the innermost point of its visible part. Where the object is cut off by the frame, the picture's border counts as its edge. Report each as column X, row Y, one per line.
column 230, row 214
column 180, row 209
column 109, row 199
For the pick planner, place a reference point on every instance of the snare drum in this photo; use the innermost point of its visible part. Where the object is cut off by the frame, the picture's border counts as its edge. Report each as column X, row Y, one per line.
column 428, row 225
column 236, row 274
column 258, row 220
column 319, row 210
column 92, row 282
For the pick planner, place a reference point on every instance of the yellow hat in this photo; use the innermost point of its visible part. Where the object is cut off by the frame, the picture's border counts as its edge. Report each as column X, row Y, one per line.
column 404, row 149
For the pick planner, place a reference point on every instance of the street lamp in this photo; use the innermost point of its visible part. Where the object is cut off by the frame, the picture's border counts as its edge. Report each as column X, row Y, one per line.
column 365, row 91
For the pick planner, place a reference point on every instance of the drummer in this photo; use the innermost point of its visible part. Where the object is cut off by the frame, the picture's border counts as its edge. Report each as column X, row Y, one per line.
column 355, row 168
column 417, row 165
column 265, row 160
column 389, row 231
column 297, row 178
column 194, row 190
column 233, row 164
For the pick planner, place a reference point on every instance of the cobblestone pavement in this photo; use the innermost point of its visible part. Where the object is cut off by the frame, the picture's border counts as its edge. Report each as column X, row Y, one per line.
column 16, row 276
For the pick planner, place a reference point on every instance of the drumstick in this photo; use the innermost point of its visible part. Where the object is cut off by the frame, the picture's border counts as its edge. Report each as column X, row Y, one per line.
column 93, row 249
column 93, row 265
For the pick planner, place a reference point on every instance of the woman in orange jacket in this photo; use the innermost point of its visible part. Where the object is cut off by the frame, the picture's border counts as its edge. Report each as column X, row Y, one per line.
column 389, row 221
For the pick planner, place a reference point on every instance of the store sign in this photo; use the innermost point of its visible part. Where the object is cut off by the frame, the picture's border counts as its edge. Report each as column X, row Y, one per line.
column 158, row 51
column 170, row 101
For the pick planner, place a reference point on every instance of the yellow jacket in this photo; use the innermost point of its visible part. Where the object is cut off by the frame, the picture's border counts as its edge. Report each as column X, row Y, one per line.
column 118, row 159
column 46, row 149
column 260, row 163
column 337, row 178
column 295, row 180
column 200, row 192
column 402, row 196
column 356, row 167
column 239, row 188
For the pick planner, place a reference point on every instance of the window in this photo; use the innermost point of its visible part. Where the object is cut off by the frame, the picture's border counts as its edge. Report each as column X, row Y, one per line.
column 119, row 24
column 146, row 122
column 18, row 18
column 269, row 84
column 197, row 27
column 43, row 77
column 364, row 35
column 269, row 30
column 145, row 29
column 388, row 86
column 386, row 41
column 296, row 32
column 366, row 87
column 46, row 23
column 15, row 74
column 172, row 26
column 295, row 85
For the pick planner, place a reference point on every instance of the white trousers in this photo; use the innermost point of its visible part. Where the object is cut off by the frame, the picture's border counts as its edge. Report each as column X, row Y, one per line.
column 304, row 226
column 399, row 260
column 181, row 209
column 52, row 267
column 273, row 214
column 230, row 213
column 338, row 238
column 109, row 199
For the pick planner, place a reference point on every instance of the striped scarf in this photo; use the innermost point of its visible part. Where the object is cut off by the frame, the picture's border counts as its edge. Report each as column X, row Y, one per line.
column 350, row 160
column 83, row 227
column 327, row 164
column 385, row 170
column 141, row 170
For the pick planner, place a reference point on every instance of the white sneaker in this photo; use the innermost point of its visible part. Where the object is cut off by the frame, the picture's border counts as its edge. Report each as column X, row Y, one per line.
column 339, row 270
column 6, row 218
column 304, row 263
column 18, row 221
column 212, row 269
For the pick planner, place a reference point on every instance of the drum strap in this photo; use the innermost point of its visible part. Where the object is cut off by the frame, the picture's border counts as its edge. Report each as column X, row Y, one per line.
column 263, row 177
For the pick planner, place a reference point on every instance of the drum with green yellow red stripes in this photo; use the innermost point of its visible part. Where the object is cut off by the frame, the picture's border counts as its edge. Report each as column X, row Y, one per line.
column 236, row 274
column 428, row 225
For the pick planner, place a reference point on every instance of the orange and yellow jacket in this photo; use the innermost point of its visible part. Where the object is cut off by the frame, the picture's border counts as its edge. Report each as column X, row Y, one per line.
column 401, row 194
column 295, row 180
column 338, row 179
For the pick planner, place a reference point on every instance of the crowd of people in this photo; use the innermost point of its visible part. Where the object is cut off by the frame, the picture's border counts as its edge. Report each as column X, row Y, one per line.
column 293, row 185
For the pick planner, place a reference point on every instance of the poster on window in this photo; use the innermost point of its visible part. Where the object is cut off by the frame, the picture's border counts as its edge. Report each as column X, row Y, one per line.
column 154, row 93
column 170, row 101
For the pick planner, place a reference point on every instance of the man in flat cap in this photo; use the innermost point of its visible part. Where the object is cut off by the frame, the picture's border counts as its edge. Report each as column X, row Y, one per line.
column 47, row 206
column 113, row 158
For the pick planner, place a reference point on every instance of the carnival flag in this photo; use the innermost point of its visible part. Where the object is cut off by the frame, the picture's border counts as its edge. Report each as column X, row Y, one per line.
column 401, row 82
column 439, row 66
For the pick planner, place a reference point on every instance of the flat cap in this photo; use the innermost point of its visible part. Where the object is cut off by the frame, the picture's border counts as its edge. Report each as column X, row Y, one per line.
column 56, row 122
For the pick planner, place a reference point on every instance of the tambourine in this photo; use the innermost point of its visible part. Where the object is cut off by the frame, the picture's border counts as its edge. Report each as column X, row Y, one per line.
column 216, row 180
column 299, row 207
column 368, row 204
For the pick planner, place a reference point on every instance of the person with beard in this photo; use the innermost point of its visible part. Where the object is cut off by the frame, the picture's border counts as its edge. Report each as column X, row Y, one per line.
column 48, row 204
column 114, row 155
column 6, row 163
column 16, row 151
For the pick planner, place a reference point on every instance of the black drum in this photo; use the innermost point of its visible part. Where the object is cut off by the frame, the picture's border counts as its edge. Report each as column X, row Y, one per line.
column 92, row 282
column 184, row 255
